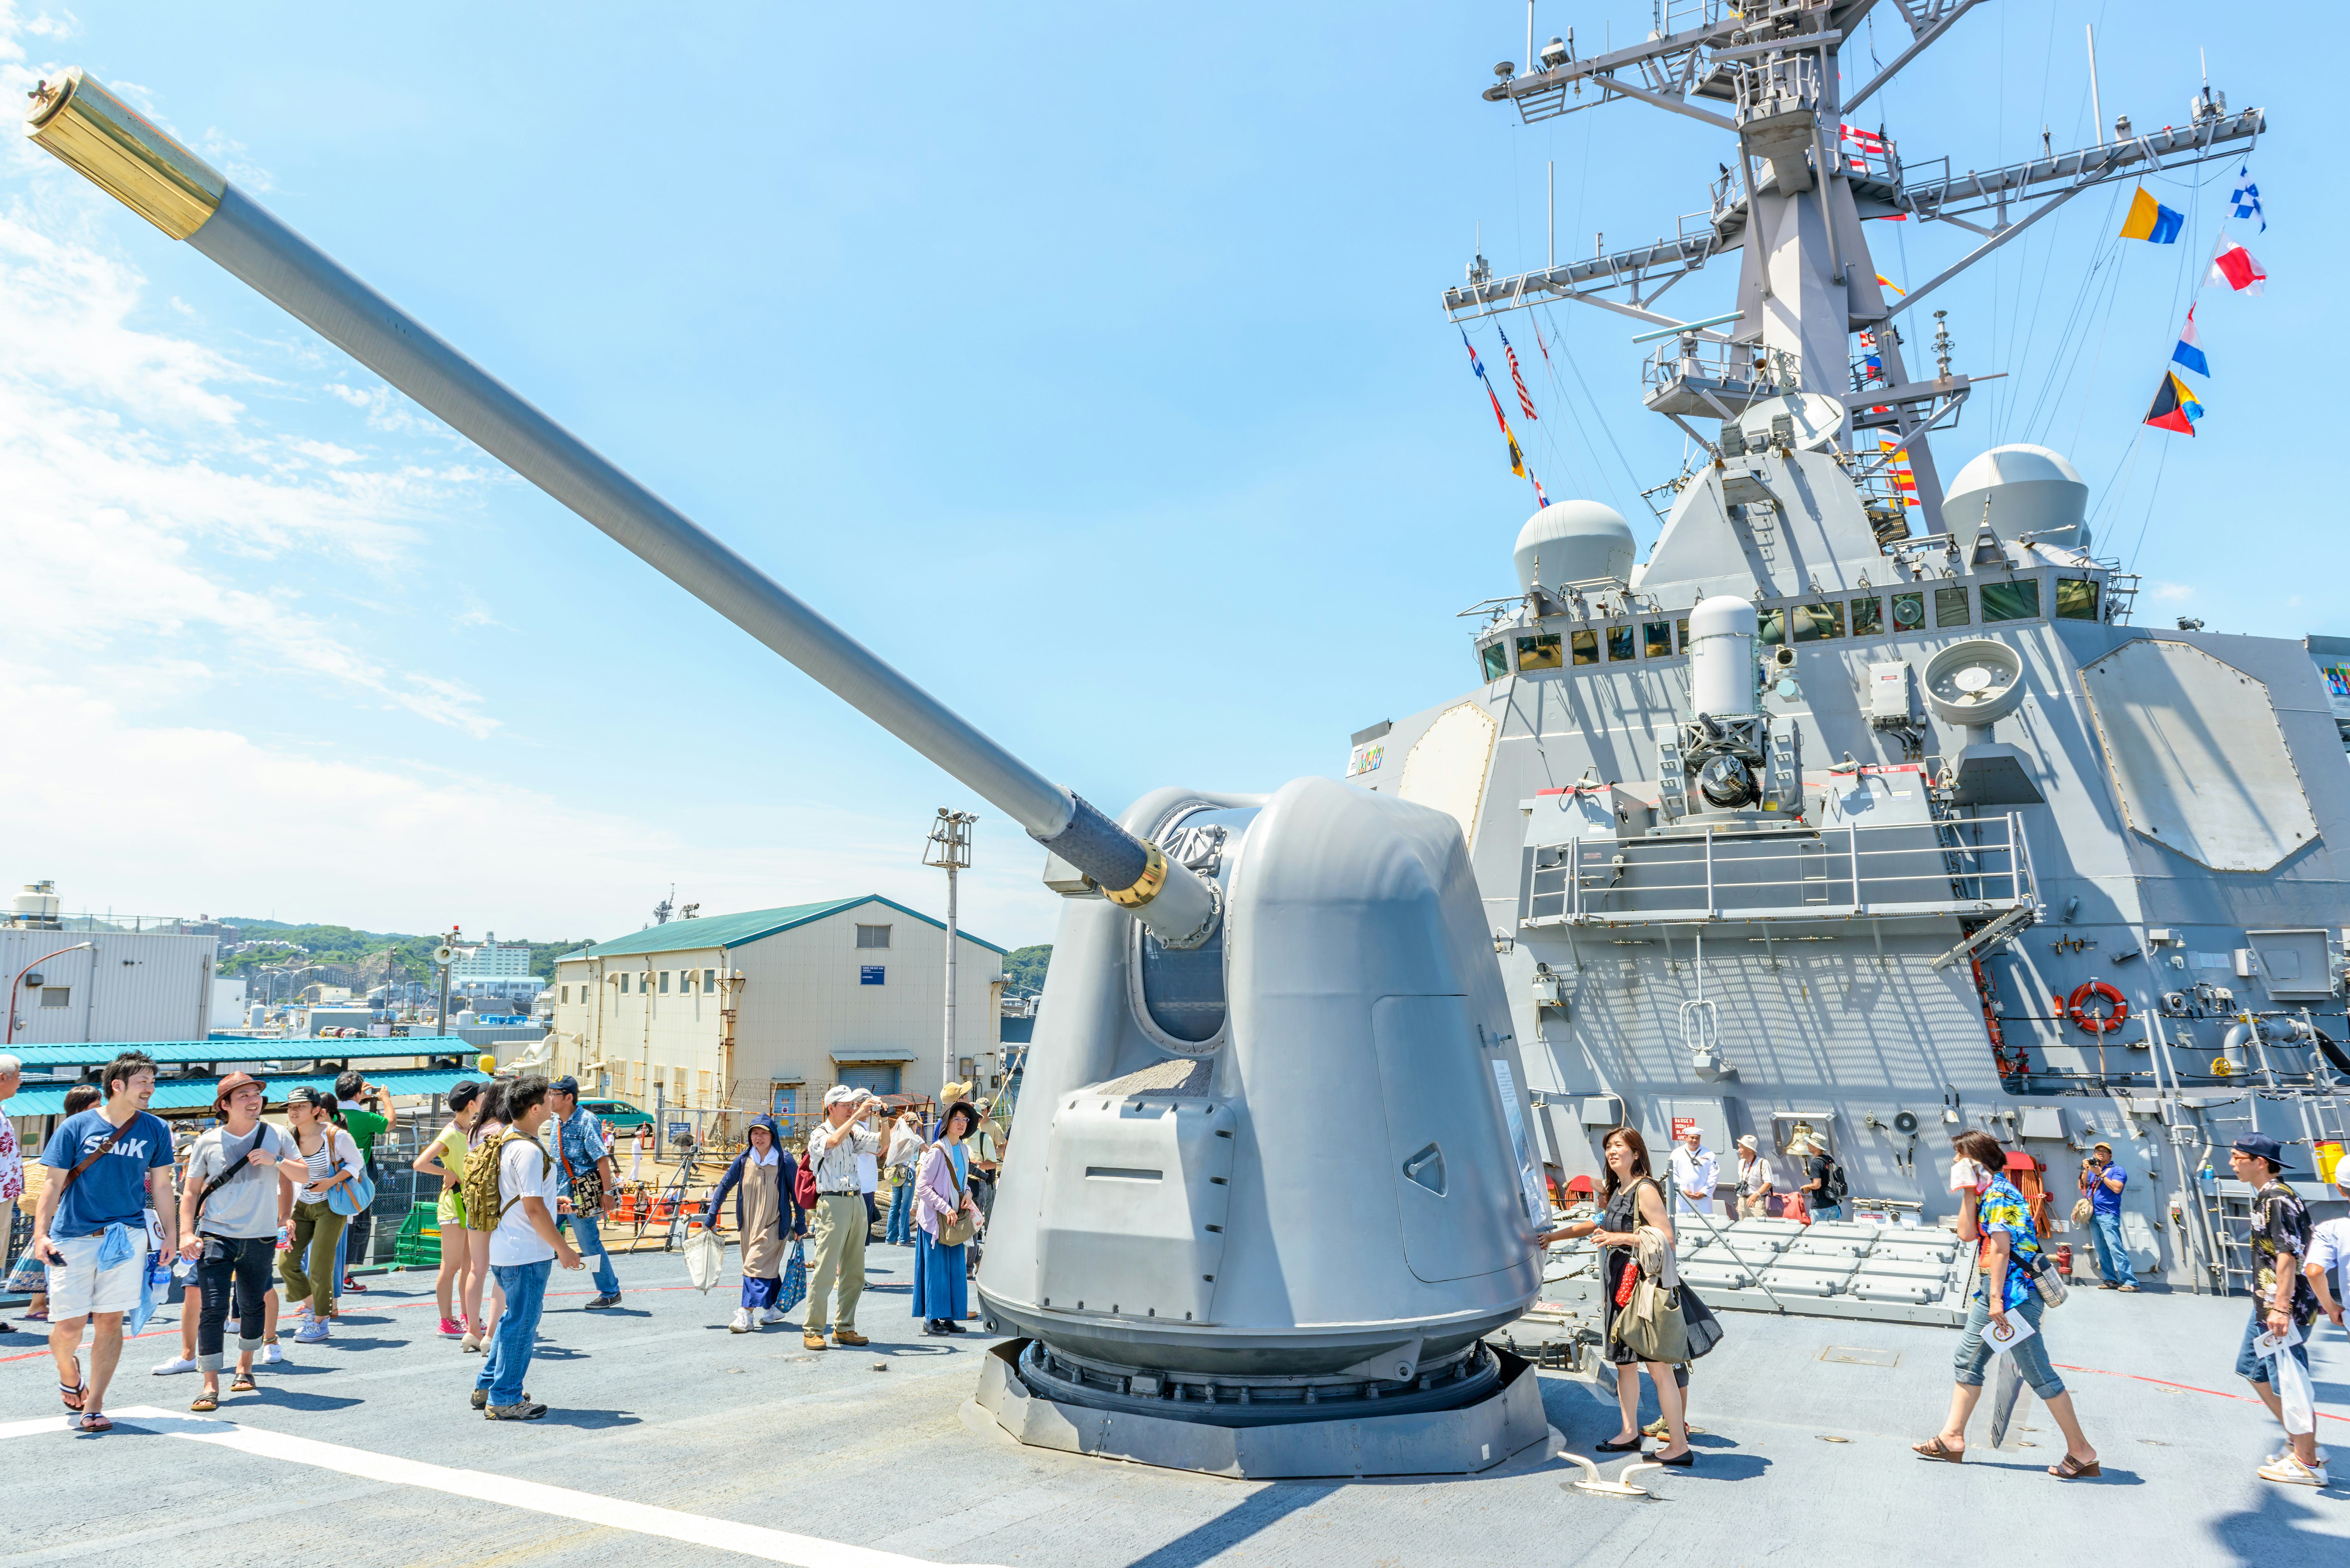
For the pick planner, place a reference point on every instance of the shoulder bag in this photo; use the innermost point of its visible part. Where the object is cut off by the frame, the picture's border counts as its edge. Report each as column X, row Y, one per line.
column 588, row 1188
column 963, row 1225
column 1649, row 1325
column 230, row 1169
column 353, row 1197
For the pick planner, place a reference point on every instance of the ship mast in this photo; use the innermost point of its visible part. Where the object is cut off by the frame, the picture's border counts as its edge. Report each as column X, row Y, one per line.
column 1793, row 206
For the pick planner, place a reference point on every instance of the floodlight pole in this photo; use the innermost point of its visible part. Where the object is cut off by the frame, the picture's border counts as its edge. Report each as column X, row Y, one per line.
column 949, row 848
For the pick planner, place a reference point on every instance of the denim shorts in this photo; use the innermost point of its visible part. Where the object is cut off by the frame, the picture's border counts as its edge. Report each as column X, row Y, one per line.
column 1975, row 1354
column 2255, row 1369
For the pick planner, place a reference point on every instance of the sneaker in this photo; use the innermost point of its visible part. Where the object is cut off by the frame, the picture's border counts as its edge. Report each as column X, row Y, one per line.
column 522, row 1412
column 451, row 1328
column 177, row 1363
column 271, row 1356
column 771, row 1315
column 304, row 1314
column 741, row 1322
column 2286, row 1453
column 352, row 1287
column 2287, row 1471
column 314, row 1334
column 481, row 1398
column 612, row 1299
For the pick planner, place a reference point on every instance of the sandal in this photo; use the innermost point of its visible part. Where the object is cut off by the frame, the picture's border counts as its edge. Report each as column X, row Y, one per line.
column 73, row 1396
column 93, row 1422
column 1934, row 1447
column 244, row 1384
column 205, row 1403
column 2071, row 1468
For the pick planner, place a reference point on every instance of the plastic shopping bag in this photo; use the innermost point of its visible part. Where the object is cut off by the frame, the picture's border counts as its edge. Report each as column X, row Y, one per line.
column 2294, row 1394
column 705, row 1259
column 2006, row 1398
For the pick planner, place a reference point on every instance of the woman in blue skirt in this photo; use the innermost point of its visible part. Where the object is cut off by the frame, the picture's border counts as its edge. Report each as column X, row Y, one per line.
column 941, row 1198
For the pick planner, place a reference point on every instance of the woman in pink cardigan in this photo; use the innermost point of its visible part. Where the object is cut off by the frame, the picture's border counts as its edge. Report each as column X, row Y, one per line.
column 941, row 1191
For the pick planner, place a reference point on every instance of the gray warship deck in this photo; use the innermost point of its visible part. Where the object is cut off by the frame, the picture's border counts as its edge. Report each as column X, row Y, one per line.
column 363, row 1452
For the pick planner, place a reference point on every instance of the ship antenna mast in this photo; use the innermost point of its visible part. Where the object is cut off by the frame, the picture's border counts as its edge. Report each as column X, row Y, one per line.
column 1793, row 207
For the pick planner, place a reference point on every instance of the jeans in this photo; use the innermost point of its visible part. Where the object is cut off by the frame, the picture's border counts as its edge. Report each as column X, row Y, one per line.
column 517, row 1332
column 2256, row 1369
column 1826, row 1211
column 2031, row 1357
column 2113, row 1257
column 243, row 1262
column 590, row 1242
column 902, row 1215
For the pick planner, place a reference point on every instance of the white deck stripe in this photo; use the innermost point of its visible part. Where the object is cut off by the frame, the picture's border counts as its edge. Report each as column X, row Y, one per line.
column 641, row 1518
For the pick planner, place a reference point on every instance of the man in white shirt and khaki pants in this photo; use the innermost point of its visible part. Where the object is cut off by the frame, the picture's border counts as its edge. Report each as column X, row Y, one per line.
column 833, row 1156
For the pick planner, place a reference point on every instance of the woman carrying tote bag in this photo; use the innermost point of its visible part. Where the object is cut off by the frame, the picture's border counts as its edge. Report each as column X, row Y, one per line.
column 1659, row 1325
column 946, row 1218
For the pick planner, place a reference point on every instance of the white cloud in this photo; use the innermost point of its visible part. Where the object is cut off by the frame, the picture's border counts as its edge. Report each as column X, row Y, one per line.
column 179, row 819
column 2171, row 593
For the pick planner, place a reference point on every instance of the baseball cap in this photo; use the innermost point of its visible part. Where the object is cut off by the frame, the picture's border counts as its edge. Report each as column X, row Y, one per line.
column 2261, row 1147
column 840, row 1093
column 567, row 1084
column 2106, row 1147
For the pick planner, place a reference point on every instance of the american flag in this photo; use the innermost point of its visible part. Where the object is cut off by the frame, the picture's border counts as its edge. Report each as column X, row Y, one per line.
column 1525, row 401
column 1870, row 144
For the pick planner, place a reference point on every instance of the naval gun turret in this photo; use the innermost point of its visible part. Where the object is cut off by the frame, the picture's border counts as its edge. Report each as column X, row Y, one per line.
column 1271, row 1176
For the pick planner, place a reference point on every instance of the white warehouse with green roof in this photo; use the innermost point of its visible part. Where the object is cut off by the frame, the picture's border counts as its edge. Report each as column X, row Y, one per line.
column 763, row 1010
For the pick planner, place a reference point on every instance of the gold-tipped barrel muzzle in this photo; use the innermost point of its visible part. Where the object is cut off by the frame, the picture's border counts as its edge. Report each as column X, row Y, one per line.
column 124, row 154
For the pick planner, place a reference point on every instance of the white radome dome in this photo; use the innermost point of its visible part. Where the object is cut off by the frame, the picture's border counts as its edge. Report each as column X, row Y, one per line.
column 1574, row 542
column 2020, row 490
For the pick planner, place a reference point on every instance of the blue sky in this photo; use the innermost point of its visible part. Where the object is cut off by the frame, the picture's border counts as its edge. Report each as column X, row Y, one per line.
column 1087, row 363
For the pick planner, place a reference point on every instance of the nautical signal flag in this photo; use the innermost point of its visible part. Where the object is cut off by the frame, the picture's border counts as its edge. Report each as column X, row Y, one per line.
column 2149, row 219
column 2233, row 266
column 1904, row 481
column 2246, row 198
column 2189, row 352
column 2174, row 407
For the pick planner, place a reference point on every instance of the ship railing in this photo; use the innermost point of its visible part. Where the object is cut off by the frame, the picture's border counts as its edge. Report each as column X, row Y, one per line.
column 1956, row 865
column 1737, row 373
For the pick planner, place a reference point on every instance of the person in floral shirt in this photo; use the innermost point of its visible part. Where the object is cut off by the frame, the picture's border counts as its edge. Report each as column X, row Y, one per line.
column 12, row 1158
column 2284, row 1301
column 1997, row 1217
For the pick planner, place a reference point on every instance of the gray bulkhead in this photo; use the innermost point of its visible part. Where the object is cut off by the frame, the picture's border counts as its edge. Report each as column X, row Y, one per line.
column 1844, row 1023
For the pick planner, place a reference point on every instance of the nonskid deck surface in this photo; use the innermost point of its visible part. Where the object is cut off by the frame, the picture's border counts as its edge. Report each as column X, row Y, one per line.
column 673, row 1441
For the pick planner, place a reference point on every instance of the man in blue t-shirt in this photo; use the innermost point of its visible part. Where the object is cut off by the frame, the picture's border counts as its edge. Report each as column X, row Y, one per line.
column 104, row 1166
column 2103, row 1180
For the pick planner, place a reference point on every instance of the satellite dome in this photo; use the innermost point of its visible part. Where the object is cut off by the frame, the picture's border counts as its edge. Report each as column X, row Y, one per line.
column 1575, row 542
column 2028, row 490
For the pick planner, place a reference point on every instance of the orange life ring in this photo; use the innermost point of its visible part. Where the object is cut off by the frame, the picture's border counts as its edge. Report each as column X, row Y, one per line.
column 2097, row 1023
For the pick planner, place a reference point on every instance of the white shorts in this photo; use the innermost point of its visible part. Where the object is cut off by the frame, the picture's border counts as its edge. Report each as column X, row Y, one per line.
column 79, row 1287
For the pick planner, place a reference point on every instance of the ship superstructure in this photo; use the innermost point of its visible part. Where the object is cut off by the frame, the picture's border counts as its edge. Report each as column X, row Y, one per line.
column 1815, row 824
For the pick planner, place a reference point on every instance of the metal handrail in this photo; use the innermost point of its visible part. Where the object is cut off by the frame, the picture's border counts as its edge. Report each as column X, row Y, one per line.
column 1971, row 863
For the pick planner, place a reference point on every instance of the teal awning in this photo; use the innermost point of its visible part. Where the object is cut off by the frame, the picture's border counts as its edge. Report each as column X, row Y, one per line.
column 279, row 1048
column 197, row 1094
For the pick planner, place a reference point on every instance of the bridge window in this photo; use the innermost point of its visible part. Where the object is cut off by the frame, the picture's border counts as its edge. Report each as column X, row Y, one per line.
column 1621, row 644
column 1814, row 622
column 1681, row 628
column 1539, row 653
column 1771, row 627
column 1950, row 606
column 1587, row 646
column 2018, row 600
column 1495, row 660
column 1659, row 636
column 1910, row 612
column 2077, row 599
column 1868, row 618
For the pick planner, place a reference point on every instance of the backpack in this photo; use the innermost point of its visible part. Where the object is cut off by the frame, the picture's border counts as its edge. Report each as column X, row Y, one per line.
column 484, row 1207
column 804, row 1186
column 1834, row 1189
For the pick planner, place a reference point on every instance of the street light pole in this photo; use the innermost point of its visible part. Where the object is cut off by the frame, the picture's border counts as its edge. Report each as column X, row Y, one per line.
column 78, row 946
column 950, row 849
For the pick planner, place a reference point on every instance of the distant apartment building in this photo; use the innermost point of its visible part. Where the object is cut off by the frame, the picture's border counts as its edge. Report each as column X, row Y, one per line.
column 763, row 1010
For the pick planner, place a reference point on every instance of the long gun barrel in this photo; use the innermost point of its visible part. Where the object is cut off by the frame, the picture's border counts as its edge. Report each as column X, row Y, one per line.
column 91, row 130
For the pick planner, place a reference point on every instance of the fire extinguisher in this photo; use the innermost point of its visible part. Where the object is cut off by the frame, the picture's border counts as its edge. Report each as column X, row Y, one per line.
column 2064, row 1259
